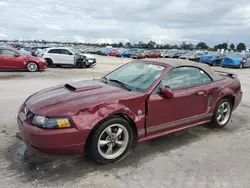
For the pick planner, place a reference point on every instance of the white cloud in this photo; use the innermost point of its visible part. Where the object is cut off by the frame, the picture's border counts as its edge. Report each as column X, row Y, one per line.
column 3, row 4
column 164, row 21
column 3, row 36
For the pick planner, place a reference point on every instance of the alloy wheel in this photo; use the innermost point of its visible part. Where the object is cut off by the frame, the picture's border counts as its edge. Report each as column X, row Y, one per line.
column 32, row 67
column 113, row 141
column 223, row 113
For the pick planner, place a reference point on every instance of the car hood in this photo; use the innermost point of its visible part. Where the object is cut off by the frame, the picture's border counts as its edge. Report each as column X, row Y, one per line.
column 69, row 99
column 32, row 58
column 88, row 55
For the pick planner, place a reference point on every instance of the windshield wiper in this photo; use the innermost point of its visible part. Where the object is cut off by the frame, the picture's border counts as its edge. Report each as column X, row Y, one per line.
column 120, row 83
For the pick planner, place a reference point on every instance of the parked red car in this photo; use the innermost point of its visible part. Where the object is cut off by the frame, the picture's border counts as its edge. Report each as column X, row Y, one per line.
column 141, row 100
column 114, row 52
column 153, row 54
column 12, row 59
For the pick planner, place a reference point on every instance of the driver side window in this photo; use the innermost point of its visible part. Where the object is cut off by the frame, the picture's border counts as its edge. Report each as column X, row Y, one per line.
column 7, row 52
column 183, row 77
column 66, row 52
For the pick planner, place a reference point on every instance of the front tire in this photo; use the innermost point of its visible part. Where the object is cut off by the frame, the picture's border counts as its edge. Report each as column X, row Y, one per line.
column 222, row 114
column 32, row 67
column 79, row 64
column 111, row 140
column 86, row 64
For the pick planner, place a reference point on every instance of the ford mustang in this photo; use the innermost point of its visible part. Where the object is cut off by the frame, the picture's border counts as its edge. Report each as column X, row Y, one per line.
column 140, row 100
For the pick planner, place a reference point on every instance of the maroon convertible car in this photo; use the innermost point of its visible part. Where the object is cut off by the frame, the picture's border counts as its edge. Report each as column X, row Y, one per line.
column 141, row 100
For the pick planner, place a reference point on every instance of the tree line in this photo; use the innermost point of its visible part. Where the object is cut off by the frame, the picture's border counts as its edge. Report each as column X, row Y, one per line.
column 150, row 45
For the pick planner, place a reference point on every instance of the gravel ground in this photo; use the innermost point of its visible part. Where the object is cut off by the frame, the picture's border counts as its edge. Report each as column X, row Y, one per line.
column 198, row 157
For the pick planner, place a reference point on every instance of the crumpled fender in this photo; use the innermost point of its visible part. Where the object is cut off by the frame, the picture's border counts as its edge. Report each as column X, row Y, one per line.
column 87, row 118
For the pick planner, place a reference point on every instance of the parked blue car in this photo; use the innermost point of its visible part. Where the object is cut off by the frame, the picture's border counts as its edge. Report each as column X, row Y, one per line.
column 25, row 52
column 212, row 59
column 107, row 51
column 239, row 60
column 124, row 54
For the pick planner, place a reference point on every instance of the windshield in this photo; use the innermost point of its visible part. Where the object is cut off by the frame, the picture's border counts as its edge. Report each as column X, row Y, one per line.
column 136, row 76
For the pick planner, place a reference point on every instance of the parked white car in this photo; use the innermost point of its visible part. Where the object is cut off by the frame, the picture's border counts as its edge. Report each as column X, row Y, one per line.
column 67, row 56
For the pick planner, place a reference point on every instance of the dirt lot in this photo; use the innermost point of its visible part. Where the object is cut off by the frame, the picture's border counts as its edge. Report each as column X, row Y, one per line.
column 198, row 157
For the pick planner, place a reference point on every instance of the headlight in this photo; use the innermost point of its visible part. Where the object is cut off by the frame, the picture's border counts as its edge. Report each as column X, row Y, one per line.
column 41, row 59
column 51, row 123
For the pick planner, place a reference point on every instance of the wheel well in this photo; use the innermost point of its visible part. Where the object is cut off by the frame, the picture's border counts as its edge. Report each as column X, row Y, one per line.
column 230, row 98
column 80, row 59
column 48, row 59
column 121, row 115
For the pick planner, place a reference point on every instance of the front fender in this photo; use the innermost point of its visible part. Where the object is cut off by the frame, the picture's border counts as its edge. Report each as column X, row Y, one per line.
column 88, row 118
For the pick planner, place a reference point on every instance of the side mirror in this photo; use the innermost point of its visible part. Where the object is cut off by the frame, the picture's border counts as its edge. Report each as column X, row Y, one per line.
column 167, row 93
column 16, row 55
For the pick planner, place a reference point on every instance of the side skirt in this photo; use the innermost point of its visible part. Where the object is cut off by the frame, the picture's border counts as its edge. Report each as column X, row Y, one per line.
column 171, row 130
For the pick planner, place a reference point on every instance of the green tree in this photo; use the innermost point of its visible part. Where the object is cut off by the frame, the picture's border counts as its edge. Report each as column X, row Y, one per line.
column 174, row 46
column 120, row 45
column 224, row 46
column 202, row 46
column 128, row 45
column 232, row 47
column 167, row 46
column 190, row 46
column 151, row 44
column 184, row 46
column 240, row 47
column 221, row 46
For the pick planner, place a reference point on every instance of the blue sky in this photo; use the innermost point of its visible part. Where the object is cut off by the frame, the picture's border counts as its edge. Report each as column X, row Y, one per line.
column 164, row 21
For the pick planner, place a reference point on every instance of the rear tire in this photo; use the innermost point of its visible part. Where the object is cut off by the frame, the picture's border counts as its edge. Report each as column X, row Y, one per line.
column 49, row 62
column 111, row 140
column 222, row 114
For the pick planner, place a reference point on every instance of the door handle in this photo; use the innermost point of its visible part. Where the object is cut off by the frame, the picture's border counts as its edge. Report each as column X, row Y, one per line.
column 201, row 93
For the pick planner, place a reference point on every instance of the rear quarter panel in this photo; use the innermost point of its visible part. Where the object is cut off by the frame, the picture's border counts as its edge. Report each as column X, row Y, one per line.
column 226, row 87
